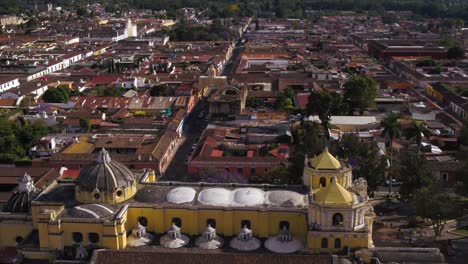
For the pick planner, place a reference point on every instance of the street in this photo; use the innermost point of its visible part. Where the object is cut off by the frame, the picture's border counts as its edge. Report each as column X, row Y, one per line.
column 195, row 125
column 177, row 169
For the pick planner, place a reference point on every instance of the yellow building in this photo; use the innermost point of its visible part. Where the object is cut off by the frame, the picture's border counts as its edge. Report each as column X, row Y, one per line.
column 109, row 206
column 211, row 83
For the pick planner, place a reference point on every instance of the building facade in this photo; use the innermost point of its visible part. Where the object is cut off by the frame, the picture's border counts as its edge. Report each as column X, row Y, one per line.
column 109, row 206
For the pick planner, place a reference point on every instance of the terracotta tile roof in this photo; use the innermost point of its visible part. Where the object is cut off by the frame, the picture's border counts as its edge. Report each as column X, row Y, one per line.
column 163, row 144
column 70, row 174
column 7, row 102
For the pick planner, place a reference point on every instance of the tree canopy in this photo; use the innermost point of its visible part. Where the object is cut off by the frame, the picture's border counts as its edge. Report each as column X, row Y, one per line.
column 360, row 92
column 455, row 53
column 17, row 139
column 60, row 94
column 161, row 90
column 324, row 104
column 414, row 172
column 432, row 202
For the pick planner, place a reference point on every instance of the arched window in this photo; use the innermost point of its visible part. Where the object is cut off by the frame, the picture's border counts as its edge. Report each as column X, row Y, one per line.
column 143, row 221
column 19, row 239
column 177, row 221
column 93, row 238
column 284, row 225
column 77, row 237
column 337, row 243
column 337, row 219
column 323, row 182
column 444, row 176
column 245, row 223
column 211, row 222
column 324, row 243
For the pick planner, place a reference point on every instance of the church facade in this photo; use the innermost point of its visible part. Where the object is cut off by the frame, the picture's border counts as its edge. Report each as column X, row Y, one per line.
column 109, row 206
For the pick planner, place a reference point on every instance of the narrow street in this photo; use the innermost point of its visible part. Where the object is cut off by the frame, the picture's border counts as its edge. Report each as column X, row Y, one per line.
column 195, row 125
column 177, row 169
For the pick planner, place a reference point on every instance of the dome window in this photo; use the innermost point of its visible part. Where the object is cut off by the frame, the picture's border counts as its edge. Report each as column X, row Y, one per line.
column 284, row 225
column 177, row 221
column 97, row 196
column 323, row 182
column 77, row 237
column 324, row 243
column 211, row 222
column 93, row 238
column 337, row 243
column 245, row 223
column 118, row 193
column 19, row 239
column 143, row 221
column 337, row 219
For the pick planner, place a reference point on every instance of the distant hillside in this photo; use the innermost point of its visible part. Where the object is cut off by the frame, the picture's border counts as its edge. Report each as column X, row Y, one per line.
column 279, row 8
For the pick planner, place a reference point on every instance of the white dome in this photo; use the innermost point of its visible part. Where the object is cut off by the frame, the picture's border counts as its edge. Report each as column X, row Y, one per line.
column 215, row 196
column 181, row 195
column 275, row 245
column 284, row 199
column 248, row 197
column 245, row 245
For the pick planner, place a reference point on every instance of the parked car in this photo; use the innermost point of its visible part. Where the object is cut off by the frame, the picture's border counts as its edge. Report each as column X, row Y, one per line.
column 394, row 182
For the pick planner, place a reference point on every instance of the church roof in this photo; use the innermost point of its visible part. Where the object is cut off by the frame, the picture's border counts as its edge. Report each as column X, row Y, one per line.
column 105, row 174
column 325, row 161
column 334, row 194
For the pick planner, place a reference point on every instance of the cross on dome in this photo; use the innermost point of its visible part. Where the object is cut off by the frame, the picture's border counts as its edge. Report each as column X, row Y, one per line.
column 103, row 156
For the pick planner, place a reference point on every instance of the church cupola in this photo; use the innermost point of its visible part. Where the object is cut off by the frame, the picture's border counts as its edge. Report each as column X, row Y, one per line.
column 20, row 201
column 319, row 171
column 105, row 180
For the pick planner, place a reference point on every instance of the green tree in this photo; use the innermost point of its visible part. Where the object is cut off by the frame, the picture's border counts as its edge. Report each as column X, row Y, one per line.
column 279, row 175
column 360, row 92
column 463, row 157
column 310, row 138
column 432, row 202
column 415, row 173
column 389, row 18
column 320, row 104
column 82, row 11
column 426, row 62
column 371, row 166
column 15, row 140
column 455, row 53
column 161, row 90
column 436, row 70
column 250, row 101
column 56, row 95
column 416, row 132
column 365, row 158
column 350, row 146
column 285, row 100
column 391, row 131
column 108, row 91
column 85, row 124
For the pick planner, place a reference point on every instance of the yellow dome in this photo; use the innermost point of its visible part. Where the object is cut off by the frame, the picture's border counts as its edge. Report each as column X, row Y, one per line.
column 325, row 161
column 334, row 193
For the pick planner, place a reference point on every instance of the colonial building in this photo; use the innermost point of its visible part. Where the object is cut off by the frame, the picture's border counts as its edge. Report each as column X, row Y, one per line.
column 210, row 83
column 110, row 206
column 228, row 101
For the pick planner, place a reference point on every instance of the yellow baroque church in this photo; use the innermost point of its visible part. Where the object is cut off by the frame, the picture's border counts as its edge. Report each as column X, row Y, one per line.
column 109, row 206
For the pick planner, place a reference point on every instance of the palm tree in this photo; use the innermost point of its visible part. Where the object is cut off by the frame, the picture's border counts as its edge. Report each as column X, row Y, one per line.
column 391, row 131
column 417, row 132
